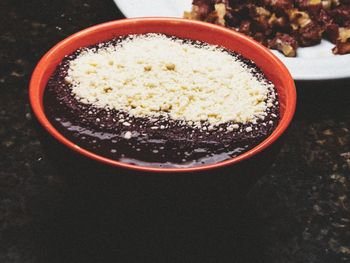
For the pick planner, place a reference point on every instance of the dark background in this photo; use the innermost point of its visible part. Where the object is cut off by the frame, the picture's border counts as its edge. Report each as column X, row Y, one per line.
column 58, row 210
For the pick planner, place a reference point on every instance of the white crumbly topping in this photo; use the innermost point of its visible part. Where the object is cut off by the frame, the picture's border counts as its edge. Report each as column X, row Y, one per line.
column 153, row 75
column 128, row 135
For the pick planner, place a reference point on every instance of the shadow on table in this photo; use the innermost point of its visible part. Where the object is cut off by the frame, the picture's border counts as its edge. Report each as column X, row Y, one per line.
column 111, row 215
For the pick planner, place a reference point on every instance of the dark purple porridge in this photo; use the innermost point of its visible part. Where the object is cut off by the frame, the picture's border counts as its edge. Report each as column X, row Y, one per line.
column 168, row 103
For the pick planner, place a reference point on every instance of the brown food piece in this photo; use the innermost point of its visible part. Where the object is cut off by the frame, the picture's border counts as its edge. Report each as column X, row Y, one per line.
column 326, row 4
column 245, row 27
column 297, row 22
column 341, row 48
column 329, row 27
column 220, row 10
column 343, row 42
column 332, row 33
column 324, row 19
column 260, row 17
column 309, row 35
column 279, row 23
column 218, row 15
column 209, row 11
column 284, row 43
column 335, row 3
column 279, row 5
column 260, row 37
column 341, row 14
column 312, row 6
column 298, row 19
column 200, row 10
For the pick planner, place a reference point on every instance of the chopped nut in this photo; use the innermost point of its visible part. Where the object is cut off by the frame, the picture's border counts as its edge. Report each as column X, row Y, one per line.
column 107, row 89
column 147, row 68
column 326, row 4
column 298, row 18
column 284, row 43
column 344, row 34
column 280, row 22
column 262, row 11
column 170, row 66
column 221, row 12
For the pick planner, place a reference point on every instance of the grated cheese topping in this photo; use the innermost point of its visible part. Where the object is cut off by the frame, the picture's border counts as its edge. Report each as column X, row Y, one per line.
column 154, row 75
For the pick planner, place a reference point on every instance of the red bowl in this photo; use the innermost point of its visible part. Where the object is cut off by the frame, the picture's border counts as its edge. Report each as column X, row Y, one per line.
column 182, row 28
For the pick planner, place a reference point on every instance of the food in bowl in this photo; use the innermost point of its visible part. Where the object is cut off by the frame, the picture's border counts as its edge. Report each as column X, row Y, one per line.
column 282, row 24
column 161, row 101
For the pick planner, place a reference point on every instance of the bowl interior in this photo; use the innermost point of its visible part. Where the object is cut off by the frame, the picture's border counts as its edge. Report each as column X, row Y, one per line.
column 268, row 63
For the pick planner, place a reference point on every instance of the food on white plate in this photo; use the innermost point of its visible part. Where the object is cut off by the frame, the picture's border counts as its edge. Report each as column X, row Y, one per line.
column 283, row 25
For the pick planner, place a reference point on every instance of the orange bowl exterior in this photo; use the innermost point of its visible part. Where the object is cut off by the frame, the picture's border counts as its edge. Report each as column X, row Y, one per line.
column 272, row 67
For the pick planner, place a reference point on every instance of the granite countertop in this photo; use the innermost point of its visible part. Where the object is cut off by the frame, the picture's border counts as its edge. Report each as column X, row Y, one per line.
column 298, row 212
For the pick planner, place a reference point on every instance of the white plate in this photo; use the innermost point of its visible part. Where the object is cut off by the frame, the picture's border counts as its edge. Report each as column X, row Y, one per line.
column 312, row 63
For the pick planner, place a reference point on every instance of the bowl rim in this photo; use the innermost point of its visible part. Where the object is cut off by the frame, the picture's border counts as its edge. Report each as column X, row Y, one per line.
column 38, row 108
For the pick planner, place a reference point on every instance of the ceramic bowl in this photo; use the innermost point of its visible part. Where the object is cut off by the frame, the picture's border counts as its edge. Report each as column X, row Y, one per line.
column 273, row 68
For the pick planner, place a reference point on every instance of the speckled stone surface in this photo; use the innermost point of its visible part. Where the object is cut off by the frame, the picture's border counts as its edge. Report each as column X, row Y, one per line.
column 58, row 208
